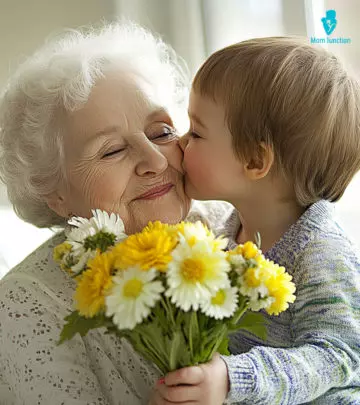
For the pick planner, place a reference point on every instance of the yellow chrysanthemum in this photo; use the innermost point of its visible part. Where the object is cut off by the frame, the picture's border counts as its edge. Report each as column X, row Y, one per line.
column 250, row 250
column 268, row 286
column 237, row 251
column 260, row 260
column 157, row 226
column 281, row 289
column 150, row 248
column 60, row 251
column 242, row 253
column 93, row 284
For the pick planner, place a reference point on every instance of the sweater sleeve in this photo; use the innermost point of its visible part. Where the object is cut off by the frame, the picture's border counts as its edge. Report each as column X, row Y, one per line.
column 325, row 354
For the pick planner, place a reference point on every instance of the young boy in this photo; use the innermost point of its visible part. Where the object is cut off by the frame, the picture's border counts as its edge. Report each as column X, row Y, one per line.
column 275, row 130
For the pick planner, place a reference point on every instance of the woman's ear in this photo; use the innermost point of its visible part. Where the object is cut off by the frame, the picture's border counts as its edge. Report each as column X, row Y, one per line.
column 259, row 167
column 57, row 203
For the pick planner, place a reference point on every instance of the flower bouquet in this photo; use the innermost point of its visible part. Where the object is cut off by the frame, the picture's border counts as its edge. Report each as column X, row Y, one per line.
column 172, row 291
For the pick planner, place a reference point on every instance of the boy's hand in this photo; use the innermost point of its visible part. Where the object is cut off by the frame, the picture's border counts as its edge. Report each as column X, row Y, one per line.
column 207, row 384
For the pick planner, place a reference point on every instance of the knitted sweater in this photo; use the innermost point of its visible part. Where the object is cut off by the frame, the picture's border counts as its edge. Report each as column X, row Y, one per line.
column 312, row 351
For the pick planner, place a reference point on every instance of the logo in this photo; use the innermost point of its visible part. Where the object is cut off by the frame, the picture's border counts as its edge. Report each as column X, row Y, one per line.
column 329, row 22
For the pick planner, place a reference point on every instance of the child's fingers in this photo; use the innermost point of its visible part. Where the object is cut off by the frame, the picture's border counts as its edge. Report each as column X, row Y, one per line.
column 188, row 375
column 180, row 394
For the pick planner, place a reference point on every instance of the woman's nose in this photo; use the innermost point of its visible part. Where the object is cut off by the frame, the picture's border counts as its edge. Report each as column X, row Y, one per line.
column 183, row 141
column 152, row 162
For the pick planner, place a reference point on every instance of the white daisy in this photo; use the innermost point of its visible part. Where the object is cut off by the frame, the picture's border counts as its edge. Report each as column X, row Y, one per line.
column 83, row 228
column 133, row 295
column 195, row 274
column 221, row 305
column 109, row 223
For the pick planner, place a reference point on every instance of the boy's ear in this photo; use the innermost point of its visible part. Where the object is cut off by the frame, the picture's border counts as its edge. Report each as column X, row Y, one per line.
column 57, row 203
column 260, row 166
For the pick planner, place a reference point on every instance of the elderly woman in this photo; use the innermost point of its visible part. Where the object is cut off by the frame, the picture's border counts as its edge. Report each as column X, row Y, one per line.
column 87, row 122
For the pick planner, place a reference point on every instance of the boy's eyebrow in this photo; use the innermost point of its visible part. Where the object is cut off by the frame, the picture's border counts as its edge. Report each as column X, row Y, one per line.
column 197, row 120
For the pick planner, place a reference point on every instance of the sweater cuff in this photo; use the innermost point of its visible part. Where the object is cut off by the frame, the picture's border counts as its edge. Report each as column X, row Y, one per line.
column 241, row 378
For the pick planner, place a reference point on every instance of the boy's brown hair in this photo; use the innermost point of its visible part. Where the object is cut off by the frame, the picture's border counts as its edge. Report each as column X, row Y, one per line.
column 298, row 99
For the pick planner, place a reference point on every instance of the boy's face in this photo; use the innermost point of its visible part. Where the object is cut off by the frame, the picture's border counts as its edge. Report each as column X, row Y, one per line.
column 213, row 172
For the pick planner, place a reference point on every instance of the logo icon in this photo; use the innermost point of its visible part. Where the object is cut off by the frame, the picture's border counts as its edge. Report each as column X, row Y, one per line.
column 329, row 21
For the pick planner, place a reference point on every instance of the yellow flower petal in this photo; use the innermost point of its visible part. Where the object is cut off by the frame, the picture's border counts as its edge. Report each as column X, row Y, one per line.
column 93, row 284
column 281, row 288
column 250, row 250
column 150, row 248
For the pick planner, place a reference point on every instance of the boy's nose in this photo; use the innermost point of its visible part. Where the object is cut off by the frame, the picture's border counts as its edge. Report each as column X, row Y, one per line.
column 183, row 141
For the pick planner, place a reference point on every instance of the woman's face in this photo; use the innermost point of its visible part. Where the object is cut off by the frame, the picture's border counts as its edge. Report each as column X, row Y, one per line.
column 122, row 156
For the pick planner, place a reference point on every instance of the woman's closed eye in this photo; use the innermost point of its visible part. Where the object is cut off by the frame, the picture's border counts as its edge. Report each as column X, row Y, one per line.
column 166, row 135
column 113, row 152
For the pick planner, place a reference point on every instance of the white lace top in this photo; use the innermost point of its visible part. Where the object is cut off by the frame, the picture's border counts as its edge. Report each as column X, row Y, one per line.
column 97, row 369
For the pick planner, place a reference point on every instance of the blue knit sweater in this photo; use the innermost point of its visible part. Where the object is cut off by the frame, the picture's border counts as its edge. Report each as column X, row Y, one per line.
column 312, row 351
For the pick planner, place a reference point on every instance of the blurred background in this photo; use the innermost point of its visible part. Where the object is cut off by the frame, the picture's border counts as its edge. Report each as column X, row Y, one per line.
column 195, row 28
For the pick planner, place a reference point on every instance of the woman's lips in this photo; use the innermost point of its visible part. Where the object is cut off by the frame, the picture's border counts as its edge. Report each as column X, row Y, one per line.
column 156, row 192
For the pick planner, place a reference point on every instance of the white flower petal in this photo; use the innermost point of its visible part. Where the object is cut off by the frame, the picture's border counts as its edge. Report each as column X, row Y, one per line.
column 190, row 294
column 224, row 310
column 127, row 311
column 80, row 265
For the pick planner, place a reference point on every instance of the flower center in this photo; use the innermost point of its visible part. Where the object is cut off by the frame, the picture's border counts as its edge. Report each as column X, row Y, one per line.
column 192, row 270
column 219, row 298
column 133, row 288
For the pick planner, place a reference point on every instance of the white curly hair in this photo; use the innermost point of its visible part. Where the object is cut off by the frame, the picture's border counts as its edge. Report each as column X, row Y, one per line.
column 57, row 79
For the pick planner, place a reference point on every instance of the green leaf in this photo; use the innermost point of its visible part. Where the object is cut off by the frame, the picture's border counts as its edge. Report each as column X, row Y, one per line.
column 163, row 315
column 214, row 333
column 254, row 323
column 156, row 353
column 152, row 338
column 222, row 332
column 175, row 350
column 194, row 332
column 75, row 323
column 224, row 347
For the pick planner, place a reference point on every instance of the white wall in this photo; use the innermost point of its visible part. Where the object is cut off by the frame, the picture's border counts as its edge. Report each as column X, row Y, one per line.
column 347, row 15
column 24, row 24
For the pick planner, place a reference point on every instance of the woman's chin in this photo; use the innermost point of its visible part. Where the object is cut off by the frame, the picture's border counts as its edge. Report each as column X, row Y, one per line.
column 169, row 209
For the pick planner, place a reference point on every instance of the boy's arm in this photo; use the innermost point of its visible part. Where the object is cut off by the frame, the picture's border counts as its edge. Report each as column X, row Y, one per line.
column 326, row 333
